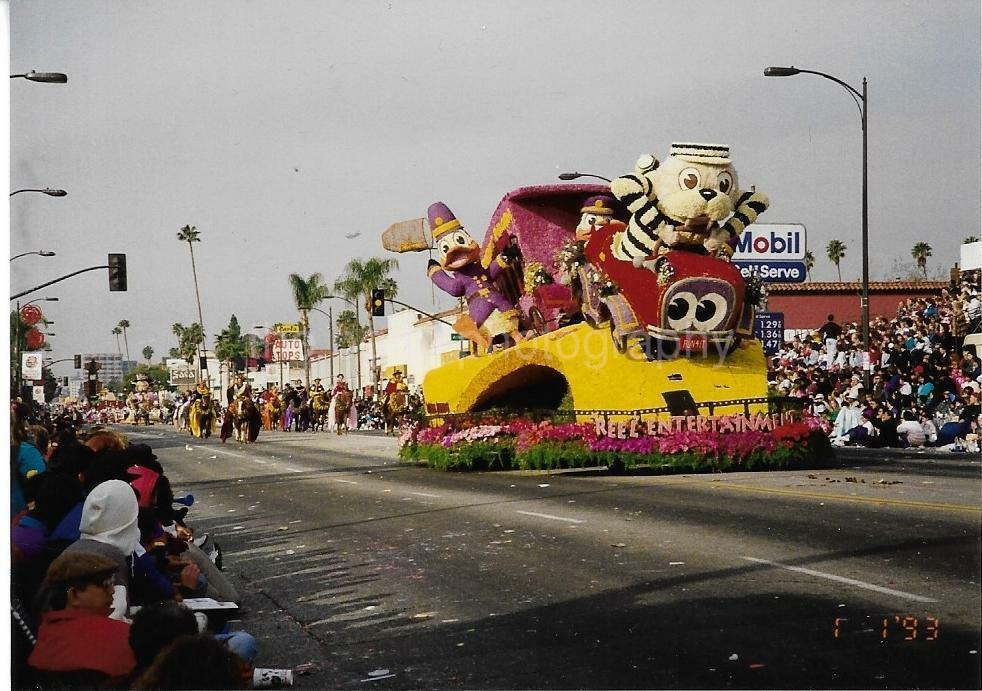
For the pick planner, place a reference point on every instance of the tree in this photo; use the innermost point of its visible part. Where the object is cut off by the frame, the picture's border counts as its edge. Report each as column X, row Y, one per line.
column 124, row 325
column 835, row 251
column 359, row 280
column 920, row 252
column 969, row 240
column 116, row 332
column 188, row 339
column 158, row 375
column 307, row 294
column 809, row 263
column 147, row 354
column 190, row 234
column 349, row 331
column 230, row 345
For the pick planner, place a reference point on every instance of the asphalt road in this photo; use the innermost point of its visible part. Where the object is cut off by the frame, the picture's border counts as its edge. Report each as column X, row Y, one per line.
column 389, row 576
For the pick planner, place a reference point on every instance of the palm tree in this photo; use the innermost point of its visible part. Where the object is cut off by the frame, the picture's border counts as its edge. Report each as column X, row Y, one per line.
column 969, row 240
column 147, row 354
column 190, row 234
column 188, row 339
column 809, row 263
column 116, row 332
column 359, row 280
column 920, row 252
column 124, row 325
column 835, row 251
column 307, row 294
column 349, row 332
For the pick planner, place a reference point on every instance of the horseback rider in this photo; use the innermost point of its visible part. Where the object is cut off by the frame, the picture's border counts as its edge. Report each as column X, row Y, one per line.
column 339, row 385
column 239, row 388
column 392, row 409
column 396, row 383
column 201, row 390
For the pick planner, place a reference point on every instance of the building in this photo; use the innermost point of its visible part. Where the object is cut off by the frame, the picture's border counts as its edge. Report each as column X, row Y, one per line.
column 807, row 305
column 112, row 367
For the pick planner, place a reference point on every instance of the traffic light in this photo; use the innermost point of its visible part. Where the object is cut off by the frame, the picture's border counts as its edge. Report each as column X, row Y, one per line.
column 117, row 272
column 378, row 303
column 78, row 362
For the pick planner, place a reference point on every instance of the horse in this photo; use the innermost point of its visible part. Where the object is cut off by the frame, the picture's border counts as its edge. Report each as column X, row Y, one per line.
column 298, row 415
column 202, row 416
column 342, row 409
column 319, row 407
column 394, row 407
column 245, row 419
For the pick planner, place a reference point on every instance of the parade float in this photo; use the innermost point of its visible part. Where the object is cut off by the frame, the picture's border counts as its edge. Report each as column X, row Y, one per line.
column 607, row 327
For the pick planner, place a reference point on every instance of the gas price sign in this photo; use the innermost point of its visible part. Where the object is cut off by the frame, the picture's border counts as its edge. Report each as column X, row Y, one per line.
column 769, row 330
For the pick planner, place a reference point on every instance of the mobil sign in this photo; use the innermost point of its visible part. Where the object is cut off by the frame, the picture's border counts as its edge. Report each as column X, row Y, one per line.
column 773, row 251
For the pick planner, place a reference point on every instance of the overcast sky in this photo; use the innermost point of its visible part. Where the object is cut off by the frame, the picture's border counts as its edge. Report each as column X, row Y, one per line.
column 276, row 128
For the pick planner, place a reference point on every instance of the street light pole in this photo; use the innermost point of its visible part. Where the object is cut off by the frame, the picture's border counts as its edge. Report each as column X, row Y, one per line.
column 18, row 365
column 358, row 342
column 330, row 331
column 40, row 253
column 46, row 77
column 574, row 176
column 47, row 190
column 862, row 101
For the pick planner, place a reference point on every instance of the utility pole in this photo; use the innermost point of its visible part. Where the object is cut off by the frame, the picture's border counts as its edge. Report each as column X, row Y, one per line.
column 330, row 331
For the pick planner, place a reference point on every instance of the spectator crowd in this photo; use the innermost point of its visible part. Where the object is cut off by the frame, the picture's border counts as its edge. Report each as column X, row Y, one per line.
column 104, row 566
column 924, row 380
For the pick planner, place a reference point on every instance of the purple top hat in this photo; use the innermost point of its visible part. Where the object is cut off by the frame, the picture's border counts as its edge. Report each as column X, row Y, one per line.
column 441, row 219
column 599, row 204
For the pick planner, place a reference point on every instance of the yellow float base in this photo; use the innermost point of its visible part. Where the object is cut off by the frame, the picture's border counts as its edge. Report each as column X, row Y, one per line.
column 599, row 377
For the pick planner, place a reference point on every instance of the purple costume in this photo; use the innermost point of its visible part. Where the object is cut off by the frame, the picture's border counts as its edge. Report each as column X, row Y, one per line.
column 473, row 282
column 476, row 285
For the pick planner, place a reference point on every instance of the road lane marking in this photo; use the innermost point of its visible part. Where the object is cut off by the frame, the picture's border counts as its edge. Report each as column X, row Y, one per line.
column 865, row 500
column 293, row 470
column 425, row 494
column 347, row 482
column 843, row 579
column 260, row 462
column 550, row 517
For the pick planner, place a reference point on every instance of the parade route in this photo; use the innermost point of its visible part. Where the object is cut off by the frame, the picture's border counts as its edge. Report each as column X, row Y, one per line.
column 358, row 563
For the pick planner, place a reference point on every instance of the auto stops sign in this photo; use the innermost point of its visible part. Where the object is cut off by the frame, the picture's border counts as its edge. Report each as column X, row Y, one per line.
column 773, row 251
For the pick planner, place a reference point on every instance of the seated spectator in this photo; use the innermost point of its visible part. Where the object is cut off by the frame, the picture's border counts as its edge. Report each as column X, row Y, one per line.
column 885, row 425
column 911, row 431
column 102, row 440
column 195, row 662
column 109, row 527
column 848, row 418
column 155, row 627
column 26, row 463
column 78, row 644
column 57, row 494
column 41, row 439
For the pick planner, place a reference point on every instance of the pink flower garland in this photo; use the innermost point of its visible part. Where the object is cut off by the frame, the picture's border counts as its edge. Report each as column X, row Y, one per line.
column 527, row 434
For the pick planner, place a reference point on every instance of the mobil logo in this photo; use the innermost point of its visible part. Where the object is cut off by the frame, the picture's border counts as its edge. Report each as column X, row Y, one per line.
column 771, row 241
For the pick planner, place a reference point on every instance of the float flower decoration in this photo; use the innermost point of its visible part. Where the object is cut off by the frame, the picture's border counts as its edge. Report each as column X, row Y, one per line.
column 535, row 276
column 528, row 443
column 604, row 285
column 570, row 258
